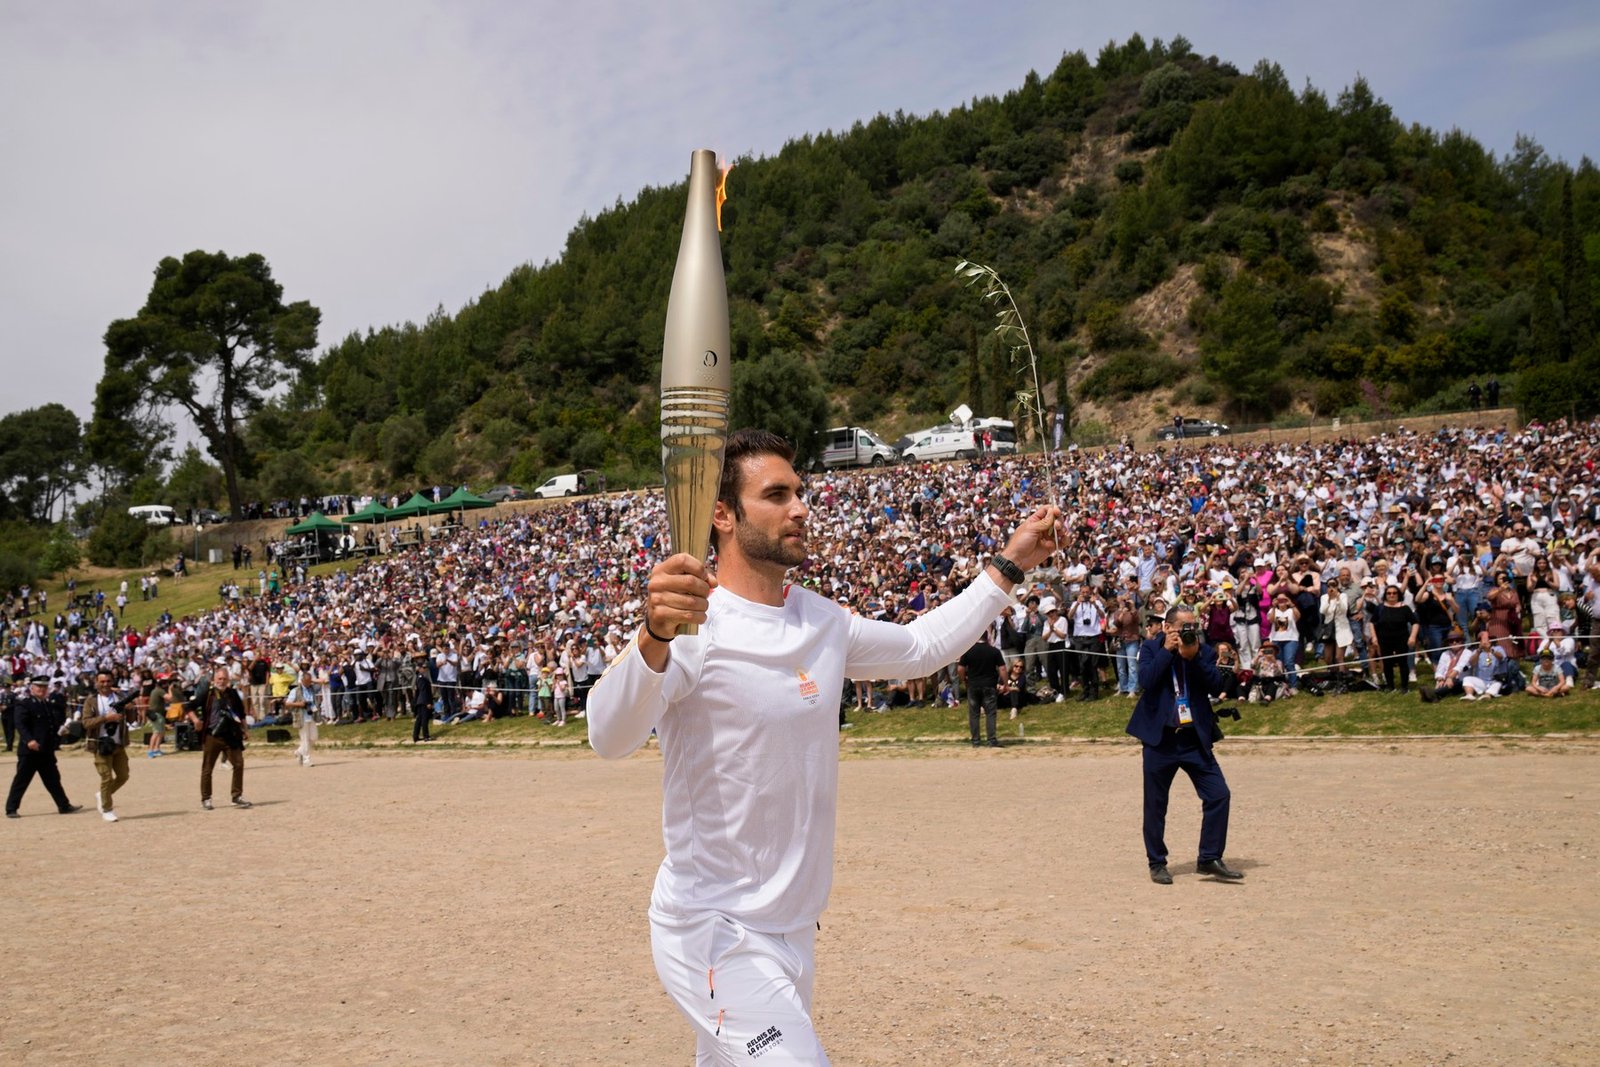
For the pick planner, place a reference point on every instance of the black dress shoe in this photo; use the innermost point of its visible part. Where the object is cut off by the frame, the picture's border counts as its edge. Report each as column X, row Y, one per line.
column 994, row 742
column 1218, row 869
column 70, row 808
column 13, row 815
column 1160, row 875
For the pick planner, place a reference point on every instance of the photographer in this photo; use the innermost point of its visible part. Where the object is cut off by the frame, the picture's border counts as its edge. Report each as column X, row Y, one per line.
column 1177, row 726
column 105, row 730
column 302, row 704
column 1088, row 642
column 218, row 713
column 495, row 703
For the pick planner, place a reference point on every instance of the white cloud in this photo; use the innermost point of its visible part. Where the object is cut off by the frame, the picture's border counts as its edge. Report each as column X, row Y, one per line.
column 389, row 157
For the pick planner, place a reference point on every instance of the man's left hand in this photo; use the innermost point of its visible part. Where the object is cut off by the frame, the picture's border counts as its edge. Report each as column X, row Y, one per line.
column 1037, row 539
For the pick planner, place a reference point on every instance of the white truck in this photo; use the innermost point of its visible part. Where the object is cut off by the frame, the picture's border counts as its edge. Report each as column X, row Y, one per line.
column 853, row 446
column 961, row 438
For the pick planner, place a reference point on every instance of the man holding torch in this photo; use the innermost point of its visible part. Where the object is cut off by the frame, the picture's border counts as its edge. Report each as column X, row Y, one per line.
column 746, row 715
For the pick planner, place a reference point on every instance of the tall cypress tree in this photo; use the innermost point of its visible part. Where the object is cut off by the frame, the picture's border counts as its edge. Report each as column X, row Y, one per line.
column 1577, row 304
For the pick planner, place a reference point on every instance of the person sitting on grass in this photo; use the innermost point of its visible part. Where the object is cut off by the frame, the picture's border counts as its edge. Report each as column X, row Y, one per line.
column 1479, row 668
column 472, row 709
column 1228, row 668
column 496, row 704
column 1548, row 679
column 1013, row 688
column 1453, row 664
column 1269, row 680
column 1563, row 649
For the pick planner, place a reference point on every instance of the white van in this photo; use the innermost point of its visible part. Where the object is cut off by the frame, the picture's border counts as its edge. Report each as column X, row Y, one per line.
column 154, row 514
column 1002, row 435
column 562, row 485
column 853, row 446
column 940, row 442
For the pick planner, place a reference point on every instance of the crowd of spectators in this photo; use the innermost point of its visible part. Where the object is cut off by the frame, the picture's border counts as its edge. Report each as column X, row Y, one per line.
column 1309, row 565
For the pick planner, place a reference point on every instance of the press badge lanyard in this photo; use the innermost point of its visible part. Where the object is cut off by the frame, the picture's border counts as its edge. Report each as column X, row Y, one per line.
column 1181, row 691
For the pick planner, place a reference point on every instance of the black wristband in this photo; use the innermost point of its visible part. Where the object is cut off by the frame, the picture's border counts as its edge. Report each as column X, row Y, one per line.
column 652, row 633
column 1007, row 569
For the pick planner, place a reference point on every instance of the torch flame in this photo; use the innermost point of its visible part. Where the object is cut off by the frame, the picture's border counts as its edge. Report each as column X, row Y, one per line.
column 722, row 192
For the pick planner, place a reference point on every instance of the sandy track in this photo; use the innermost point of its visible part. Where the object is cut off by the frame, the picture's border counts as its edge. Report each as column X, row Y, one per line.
column 1405, row 904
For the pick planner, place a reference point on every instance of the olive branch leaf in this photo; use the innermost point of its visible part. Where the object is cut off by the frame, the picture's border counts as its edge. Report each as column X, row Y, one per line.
column 1013, row 332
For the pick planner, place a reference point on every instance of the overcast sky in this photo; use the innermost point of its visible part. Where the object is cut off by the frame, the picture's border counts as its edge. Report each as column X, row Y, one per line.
column 393, row 156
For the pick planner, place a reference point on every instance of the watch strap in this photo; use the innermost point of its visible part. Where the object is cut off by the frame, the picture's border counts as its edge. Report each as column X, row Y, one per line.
column 1010, row 570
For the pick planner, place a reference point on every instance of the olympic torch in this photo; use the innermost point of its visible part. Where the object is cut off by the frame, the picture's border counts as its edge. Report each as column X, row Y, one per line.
column 695, row 380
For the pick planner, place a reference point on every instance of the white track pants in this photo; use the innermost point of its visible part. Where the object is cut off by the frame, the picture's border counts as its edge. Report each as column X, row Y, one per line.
column 747, row 994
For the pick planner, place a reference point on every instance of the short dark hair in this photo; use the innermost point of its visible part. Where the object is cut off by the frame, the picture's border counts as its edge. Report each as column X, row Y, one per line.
column 1177, row 610
column 742, row 443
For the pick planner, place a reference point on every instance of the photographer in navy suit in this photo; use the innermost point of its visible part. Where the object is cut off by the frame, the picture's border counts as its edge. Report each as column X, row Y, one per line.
column 1174, row 720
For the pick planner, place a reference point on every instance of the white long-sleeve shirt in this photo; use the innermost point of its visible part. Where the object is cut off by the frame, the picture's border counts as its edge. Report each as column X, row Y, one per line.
column 747, row 712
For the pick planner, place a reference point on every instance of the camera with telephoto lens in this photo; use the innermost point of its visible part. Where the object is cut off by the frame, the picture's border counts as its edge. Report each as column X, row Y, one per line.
column 1189, row 633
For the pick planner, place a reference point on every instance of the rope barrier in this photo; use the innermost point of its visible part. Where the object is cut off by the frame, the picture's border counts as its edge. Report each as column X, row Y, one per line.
column 1429, row 652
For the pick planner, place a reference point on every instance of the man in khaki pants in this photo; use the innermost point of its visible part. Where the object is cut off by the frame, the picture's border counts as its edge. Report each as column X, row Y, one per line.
column 105, row 732
column 220, row 719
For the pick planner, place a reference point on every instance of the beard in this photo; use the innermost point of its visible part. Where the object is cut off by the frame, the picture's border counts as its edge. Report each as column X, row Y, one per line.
column 759, row 548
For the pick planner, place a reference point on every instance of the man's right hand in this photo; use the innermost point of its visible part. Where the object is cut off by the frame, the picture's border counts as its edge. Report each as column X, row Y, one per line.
column 679, row 586
column 1173, row 642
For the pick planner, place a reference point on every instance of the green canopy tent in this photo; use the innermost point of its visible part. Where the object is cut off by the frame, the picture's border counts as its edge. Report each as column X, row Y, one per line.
column 373, row 512
column 417, row 505
column 312, row 523
column 462, row 499
column 321, row 536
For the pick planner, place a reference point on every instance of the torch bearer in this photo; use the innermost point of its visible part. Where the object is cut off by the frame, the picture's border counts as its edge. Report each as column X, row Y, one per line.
column 695, row 381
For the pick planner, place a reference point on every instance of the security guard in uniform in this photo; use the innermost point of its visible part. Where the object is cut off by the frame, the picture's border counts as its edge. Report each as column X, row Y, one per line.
column 39, row 720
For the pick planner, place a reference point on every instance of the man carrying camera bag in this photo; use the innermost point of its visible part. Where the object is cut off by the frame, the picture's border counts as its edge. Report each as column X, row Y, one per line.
column 1173, row 718
column 105, row 731
column 219, row 713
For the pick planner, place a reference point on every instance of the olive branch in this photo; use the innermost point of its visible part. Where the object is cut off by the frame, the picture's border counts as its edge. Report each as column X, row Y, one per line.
column 1013, row 332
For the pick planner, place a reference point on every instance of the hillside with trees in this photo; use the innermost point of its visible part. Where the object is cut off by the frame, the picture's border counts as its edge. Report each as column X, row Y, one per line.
column 1180, row 236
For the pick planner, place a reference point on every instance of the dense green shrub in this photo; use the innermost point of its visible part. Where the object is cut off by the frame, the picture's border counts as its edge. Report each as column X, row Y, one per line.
column 121, row 540
column 1127, row 374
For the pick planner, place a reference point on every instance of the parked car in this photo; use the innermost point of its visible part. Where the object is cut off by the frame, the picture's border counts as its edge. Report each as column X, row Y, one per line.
column 502, row 493
column 154, row 514
column 208, row 517
column 1193, row 428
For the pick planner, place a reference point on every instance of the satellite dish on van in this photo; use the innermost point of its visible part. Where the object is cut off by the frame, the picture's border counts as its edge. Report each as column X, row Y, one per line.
column 961, row 415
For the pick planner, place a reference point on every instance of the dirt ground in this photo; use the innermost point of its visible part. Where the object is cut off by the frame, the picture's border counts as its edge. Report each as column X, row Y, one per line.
column 1406, row 903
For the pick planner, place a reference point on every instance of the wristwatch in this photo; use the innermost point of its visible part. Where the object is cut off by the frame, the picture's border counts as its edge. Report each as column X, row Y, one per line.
column 1010, row 571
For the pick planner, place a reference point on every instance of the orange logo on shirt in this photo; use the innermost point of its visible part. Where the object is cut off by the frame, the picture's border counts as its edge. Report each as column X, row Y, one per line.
column 808, row 689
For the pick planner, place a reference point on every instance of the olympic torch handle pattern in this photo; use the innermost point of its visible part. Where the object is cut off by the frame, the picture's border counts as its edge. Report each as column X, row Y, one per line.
column 695, row 378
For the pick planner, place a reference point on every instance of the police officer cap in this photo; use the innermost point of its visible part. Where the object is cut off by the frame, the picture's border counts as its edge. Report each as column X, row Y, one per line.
column 39, row 679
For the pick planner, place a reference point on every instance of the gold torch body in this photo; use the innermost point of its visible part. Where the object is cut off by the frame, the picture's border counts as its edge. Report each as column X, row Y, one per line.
column 695, row 378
